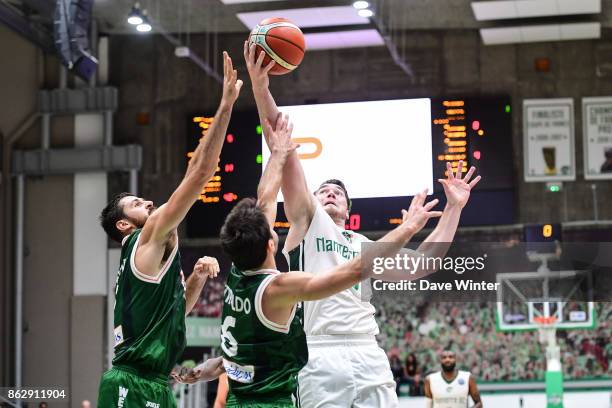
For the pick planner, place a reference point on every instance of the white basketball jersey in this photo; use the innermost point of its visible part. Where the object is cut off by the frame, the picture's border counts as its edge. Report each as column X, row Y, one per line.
column 452, row 394
column 324, row 247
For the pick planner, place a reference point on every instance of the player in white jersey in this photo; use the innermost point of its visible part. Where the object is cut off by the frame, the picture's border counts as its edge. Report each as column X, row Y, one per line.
column 346, row 368
column 450, row 387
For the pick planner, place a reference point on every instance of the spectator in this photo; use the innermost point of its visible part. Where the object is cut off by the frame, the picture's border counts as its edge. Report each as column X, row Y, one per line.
column 396, row 369
column 412, row 374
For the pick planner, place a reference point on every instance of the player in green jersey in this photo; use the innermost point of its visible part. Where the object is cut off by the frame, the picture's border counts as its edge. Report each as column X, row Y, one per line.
column 152, row 297
column 262, row 338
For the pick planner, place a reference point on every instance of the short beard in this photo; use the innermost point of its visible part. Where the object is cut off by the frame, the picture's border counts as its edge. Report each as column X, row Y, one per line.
column 448, row 369
column 136, row 222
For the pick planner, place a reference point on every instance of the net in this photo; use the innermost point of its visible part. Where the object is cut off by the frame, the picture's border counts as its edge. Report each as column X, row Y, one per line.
column 546, row 328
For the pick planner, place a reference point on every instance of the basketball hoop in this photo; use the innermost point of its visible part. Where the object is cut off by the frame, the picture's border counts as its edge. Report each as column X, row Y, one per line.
column 547, row 328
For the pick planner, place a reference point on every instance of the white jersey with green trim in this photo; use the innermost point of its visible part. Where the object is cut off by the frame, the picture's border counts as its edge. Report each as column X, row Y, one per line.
column 324, row 247
column 453, row 394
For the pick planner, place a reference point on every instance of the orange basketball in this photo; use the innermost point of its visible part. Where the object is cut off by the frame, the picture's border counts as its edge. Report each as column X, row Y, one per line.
column 282, row 41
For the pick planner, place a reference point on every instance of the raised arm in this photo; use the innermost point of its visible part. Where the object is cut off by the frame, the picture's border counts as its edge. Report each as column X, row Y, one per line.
column 201, row 167
column 289, row 288
column 299, row 202
column 457, row 190
column 206, row 267
column 281, row 146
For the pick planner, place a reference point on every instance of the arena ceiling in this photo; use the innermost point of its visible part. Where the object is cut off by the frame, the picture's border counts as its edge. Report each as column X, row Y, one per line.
column 215, row 16
column 224, row 16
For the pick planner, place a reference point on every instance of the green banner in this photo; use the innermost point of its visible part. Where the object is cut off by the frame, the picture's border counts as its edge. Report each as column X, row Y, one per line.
column 203, row 331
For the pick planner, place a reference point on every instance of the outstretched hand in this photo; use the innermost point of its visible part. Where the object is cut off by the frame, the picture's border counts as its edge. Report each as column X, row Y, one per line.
column 456, row 188
column 254, row 62
column 231, row 83
column 280, row 137
column 419, row 212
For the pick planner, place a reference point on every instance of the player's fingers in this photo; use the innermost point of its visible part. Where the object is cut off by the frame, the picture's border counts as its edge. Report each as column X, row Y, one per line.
column 260, row 59
column 412, row 203
column 469, row 174
column 270, row 65
column 420, row 199
column 431, row 204
column 283, row 123
column 230, row 65
column 443, row 182
column 238, row 85
column 245, row 50
column 278, row 117
column 434, row 214
column 459, row 170
column 224, row 66
column 252, row 53
column 267, row 127
column 449, row 171
column 424, row 195
column 474, row 182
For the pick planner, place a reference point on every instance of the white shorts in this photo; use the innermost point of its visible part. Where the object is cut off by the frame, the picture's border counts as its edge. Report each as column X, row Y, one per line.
column 346, row 372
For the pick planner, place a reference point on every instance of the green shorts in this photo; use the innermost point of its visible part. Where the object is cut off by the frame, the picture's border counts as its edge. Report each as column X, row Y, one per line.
column 128, row 388
column 233, row 402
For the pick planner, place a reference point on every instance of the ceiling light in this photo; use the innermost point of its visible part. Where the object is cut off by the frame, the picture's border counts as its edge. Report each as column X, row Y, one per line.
column 365, row 13
column 360, row 5
column 145, row 26
column 135, row 16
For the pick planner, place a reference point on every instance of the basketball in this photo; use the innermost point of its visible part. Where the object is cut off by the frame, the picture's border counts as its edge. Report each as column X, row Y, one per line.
column 282, row 42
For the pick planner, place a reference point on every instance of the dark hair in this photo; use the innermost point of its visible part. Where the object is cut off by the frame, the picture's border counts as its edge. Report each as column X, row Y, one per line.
column 245, row 235
column 112, row 213
column 341, row 185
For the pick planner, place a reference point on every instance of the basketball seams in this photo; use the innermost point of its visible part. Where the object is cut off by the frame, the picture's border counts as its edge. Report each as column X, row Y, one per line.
column 269, row 50
column 286, row 40
column 274, row 56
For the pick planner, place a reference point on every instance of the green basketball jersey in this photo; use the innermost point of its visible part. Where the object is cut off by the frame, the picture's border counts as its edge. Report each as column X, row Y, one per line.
column 149, row 313
column 261, row 358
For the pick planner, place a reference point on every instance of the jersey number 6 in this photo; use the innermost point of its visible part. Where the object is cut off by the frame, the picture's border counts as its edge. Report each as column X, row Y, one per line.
column 228, row 342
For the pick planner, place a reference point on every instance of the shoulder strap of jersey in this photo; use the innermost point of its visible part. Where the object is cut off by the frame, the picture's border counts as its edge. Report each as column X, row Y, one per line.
column 281, row 328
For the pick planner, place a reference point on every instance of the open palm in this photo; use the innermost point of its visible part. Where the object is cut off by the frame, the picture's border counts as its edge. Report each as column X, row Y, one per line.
column 456, row 188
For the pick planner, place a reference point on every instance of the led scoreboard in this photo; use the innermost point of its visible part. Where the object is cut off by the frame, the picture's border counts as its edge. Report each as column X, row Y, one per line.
column 475, row 130
column 237, row 173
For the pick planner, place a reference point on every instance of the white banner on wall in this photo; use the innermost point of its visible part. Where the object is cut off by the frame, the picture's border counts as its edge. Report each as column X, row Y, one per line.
column 548, row 139
column 597, row 136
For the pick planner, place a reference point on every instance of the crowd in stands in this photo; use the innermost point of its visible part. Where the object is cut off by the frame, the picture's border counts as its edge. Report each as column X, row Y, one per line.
column 210, row 303
column 413, row 334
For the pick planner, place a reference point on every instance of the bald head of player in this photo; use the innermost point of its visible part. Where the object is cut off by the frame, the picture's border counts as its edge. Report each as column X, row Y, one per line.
column 448, row 360
column 247, row 237
column 124, row 214
column 335, row 200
